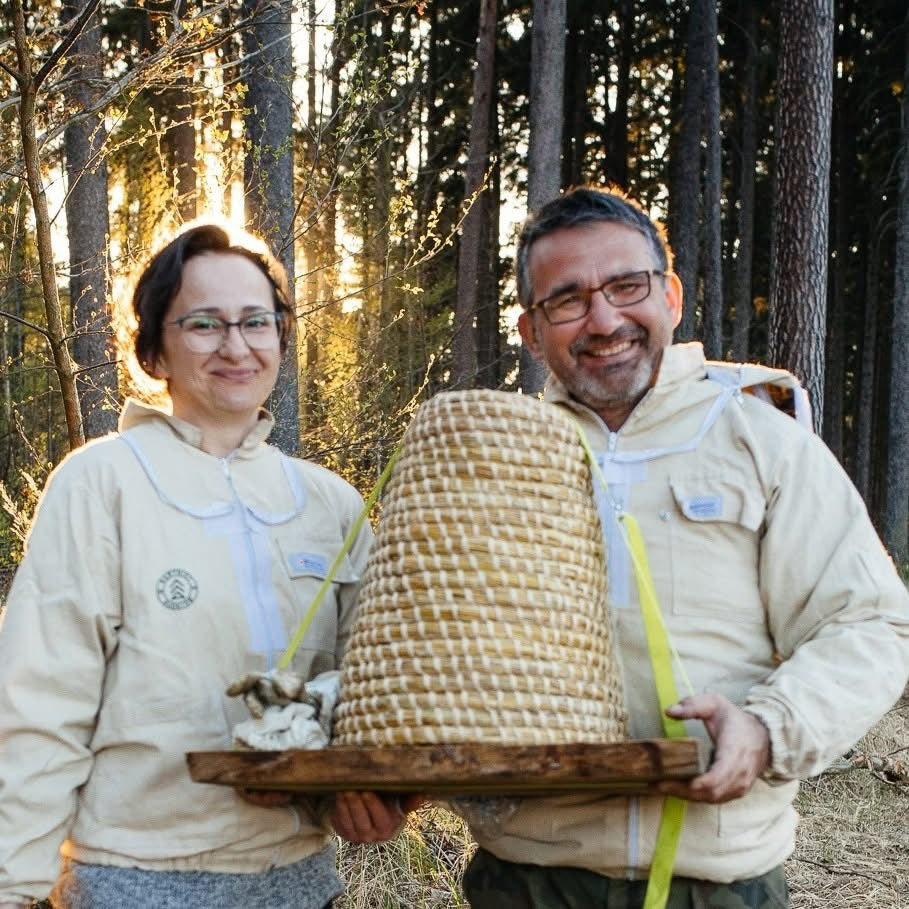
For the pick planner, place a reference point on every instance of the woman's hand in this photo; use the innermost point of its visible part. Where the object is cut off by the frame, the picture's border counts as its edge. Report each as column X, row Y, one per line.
column 367, row 817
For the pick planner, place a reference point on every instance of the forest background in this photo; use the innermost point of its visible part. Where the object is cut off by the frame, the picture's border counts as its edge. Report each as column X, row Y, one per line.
column 387, row 151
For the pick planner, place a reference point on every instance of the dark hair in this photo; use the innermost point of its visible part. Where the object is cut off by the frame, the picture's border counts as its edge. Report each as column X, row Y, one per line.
column 161, row 278
column 579, row 206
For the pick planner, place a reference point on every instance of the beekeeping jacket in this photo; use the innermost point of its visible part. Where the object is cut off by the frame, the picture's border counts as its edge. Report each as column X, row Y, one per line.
column 154, row 575
column 775, row 589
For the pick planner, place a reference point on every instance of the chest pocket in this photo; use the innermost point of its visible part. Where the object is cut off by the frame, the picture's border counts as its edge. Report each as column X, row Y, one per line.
column 715, row 547
column 305, row 563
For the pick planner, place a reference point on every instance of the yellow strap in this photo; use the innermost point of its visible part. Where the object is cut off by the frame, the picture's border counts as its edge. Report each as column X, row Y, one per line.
column 662, row 652
column 352, row 534
column 664, row 852
column 654, row 629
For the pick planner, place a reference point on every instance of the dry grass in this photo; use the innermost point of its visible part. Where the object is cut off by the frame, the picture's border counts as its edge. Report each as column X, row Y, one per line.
column 420, row 869
column 853, row 843
column 852, row 848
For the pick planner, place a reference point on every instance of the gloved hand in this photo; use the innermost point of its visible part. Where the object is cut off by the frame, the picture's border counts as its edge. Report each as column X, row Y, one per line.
column 278, row 687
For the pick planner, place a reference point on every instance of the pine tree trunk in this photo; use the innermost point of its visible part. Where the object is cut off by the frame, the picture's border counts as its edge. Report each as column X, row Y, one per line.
column 742, row 295
column 685, row 187
column 544, row 167
column 865, row 407
column 488, row 280
column 713, row 179
column 87, row 231
column 798, row 262
column 464, row 351
column 896, row 516
column 844, row 170
column 268, row 175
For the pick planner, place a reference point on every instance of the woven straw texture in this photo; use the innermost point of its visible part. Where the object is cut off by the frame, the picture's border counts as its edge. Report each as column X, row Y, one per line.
column 482, row 616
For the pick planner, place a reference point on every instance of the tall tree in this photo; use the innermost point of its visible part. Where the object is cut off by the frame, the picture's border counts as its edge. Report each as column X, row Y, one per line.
column 843, row 170
column 544, row 165
column 864, row 422
column 464, row 353
column 713, row 191
column 896, row 517
column 685, row 186
column 268, row 173
column 742, row 293
column 798, row 286
column 87, row 231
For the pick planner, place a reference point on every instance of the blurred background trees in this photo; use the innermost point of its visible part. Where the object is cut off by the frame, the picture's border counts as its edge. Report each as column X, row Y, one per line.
column 387, row 152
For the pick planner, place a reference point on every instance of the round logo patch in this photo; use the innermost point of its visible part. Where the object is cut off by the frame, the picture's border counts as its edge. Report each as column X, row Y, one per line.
column 177, row 589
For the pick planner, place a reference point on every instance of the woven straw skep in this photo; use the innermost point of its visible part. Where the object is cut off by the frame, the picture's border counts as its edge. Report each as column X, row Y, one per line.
column 482, row 616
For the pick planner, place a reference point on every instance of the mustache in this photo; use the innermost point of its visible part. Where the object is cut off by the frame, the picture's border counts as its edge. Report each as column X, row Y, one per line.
column 585, row 342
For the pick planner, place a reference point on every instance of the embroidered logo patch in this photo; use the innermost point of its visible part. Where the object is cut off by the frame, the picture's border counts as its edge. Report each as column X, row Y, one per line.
column 307, row 563
column 703, row 507
column 177, row 589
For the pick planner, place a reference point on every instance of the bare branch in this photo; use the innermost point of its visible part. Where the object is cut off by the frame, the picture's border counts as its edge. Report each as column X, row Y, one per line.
column 25, row 322
column 71, row 37
column 11, row 72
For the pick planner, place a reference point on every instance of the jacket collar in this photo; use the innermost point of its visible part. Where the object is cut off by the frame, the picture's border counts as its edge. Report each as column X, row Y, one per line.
column 135, row 413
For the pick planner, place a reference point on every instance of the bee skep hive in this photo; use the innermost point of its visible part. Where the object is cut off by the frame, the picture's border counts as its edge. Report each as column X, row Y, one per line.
column 482, row 617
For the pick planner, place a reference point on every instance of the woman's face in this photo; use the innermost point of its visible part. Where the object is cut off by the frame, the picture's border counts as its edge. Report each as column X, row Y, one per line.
column 227, row 385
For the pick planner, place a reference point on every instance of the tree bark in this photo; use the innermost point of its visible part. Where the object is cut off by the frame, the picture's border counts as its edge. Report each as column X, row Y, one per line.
column 742, row 294
column 268, row 175
column 617, row 149
column 488, row 347
column 87, row 230
column 544, row 168
column 896, row 515
column 866, row 398
column 843, row 176
column 685, row 186
column 576, row 74
column 798, row 282
column 713, row 190
column 464, row 352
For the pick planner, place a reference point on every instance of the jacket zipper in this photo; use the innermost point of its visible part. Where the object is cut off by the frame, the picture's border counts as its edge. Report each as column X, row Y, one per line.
column 253, row 565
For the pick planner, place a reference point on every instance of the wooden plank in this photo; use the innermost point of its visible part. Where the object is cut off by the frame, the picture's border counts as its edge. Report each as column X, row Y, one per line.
column 457, row 769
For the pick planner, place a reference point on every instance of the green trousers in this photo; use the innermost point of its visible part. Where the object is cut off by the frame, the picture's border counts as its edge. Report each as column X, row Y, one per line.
column 491, row 883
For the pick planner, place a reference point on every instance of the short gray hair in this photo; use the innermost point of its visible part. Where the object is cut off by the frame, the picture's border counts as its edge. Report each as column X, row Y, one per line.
column 579, row 206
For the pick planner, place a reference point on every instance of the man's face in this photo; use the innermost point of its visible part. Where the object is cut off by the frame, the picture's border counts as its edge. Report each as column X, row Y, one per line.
column 608, row 359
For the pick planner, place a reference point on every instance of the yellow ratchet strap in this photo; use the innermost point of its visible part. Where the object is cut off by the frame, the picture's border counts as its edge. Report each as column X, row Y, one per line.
column 661, row 653
column 352, row 534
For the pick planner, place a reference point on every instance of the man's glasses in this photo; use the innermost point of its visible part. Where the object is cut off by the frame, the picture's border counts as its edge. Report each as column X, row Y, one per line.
column 572, row 305
column 205, row 333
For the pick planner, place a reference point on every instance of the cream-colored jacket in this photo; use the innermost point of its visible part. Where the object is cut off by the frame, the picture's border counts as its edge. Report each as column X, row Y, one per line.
column 776, row 592
column 155, row 574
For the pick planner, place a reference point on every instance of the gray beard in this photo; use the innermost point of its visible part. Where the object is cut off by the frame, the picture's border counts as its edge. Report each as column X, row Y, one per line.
column 605, row 392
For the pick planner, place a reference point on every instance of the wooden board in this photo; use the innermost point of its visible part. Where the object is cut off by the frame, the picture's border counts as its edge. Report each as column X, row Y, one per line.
column 457, row 769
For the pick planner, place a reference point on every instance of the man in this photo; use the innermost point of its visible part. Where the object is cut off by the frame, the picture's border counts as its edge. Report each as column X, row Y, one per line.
column 788, row 616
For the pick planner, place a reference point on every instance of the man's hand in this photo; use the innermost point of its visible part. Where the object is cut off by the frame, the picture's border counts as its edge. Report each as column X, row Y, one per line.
column 367, row 817
column 741, row 750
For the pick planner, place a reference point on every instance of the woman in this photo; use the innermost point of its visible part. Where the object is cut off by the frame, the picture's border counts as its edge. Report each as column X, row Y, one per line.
column 165, row 562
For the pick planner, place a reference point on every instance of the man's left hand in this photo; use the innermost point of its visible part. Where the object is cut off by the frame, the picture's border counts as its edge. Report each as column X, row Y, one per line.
column 741, row 750
column 367, row 817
